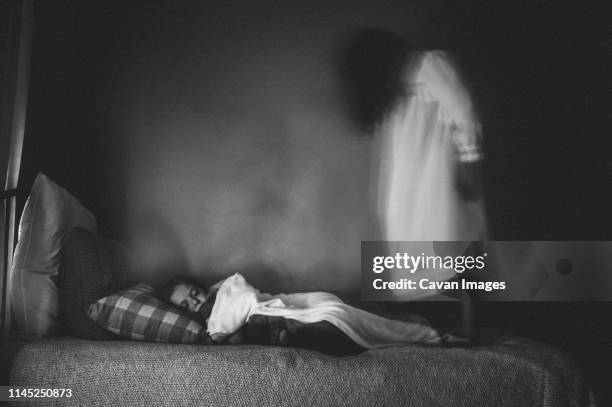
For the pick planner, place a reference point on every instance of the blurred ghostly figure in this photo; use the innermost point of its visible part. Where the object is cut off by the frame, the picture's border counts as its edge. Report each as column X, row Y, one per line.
column 427, row 137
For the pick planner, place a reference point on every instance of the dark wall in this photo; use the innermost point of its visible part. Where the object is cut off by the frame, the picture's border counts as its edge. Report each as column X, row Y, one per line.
column 549, row 170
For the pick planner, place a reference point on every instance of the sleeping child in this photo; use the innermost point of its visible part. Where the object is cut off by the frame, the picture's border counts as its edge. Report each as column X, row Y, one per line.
column 236, row 312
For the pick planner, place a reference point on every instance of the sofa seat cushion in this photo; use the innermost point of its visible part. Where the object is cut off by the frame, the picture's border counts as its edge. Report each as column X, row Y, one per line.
column 507, row 372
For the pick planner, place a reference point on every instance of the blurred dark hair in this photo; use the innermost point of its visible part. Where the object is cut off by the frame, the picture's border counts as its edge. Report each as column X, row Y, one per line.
column 371, row 61
column 168, row 288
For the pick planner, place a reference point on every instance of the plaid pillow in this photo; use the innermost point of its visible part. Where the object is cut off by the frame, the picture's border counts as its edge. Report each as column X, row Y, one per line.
column 136, row 314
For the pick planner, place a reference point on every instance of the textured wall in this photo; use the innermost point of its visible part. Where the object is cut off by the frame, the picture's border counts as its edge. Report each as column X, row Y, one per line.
column 240, row 158
column 214, row 133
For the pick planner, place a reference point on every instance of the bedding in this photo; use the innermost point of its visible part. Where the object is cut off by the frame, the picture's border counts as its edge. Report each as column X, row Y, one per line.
column 137, row 314
column 50, row 213
column 508, row 371
column 237, row 301
column 91, row 268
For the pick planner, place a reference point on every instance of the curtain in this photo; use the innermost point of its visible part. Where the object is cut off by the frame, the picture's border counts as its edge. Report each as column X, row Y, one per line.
column 15, row 45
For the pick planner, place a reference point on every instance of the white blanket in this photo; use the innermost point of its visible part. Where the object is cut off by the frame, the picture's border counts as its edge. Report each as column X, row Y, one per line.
column 237, row 300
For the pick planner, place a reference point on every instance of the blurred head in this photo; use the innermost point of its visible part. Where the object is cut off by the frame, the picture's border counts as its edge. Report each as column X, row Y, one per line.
column 185, row 292
column 371, row 64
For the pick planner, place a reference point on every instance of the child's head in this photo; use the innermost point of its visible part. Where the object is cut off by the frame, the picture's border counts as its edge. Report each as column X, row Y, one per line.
column 185, row 292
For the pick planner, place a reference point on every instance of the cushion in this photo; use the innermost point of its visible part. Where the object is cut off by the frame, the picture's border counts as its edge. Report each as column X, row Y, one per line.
column 507, row 371
column 136, row 314
column 91, row 268
column 49, row 213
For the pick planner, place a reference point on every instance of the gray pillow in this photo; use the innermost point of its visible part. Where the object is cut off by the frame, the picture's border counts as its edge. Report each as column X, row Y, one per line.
column 49, row 214
column 91, row 268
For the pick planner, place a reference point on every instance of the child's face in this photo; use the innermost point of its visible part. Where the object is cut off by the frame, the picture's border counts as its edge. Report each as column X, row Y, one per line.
column 188, row 296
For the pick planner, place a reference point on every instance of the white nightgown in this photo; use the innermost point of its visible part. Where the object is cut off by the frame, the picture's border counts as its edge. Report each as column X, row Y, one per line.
column 422, row 142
